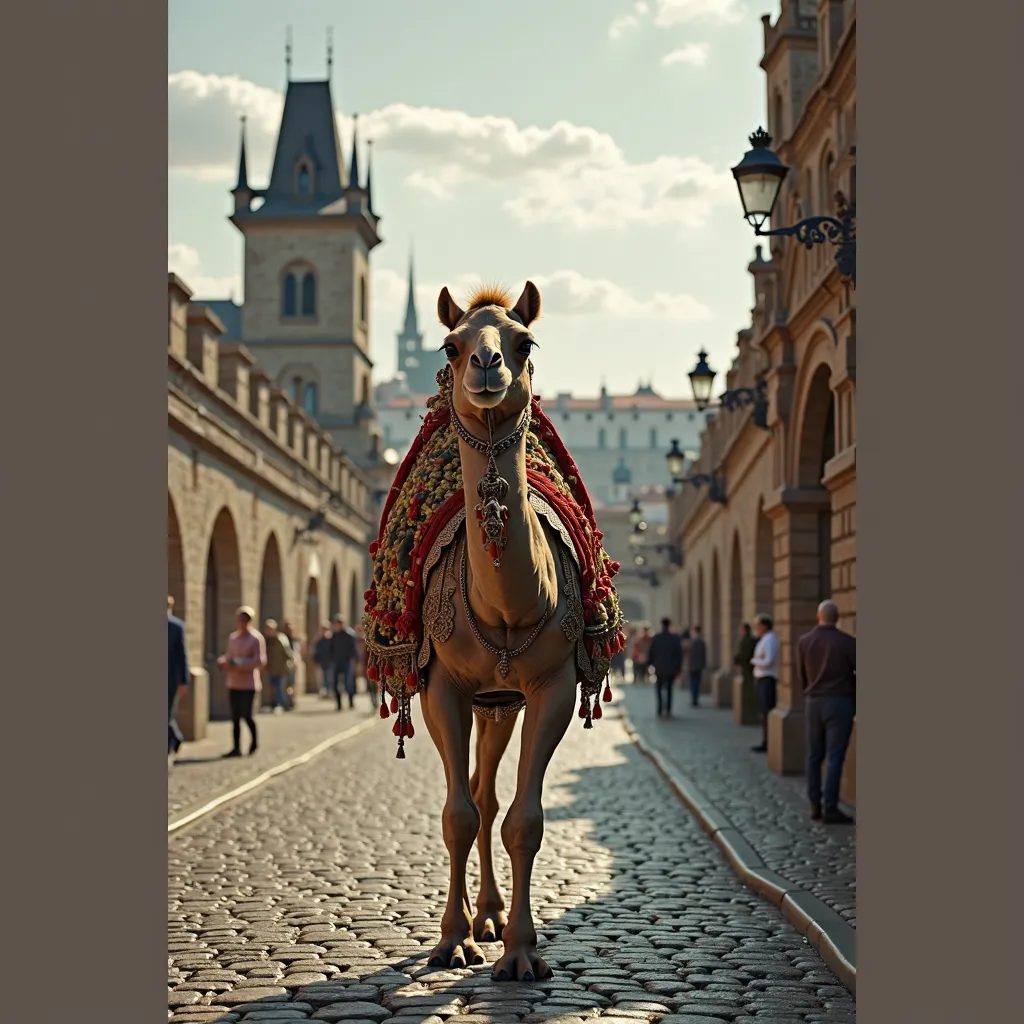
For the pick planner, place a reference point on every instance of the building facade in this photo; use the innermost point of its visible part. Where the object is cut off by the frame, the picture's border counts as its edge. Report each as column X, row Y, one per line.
column 247, row 470
column 785, row 538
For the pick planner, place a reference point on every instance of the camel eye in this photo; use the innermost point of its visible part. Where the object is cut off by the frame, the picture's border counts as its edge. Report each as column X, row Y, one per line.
column 451, row 351
column 527, row 347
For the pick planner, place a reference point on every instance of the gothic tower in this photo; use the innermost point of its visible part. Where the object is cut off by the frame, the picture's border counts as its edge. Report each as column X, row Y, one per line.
column 308, row 237
column 419, row 365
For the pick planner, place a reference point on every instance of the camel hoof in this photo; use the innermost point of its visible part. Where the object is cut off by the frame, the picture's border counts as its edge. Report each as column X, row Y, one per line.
column 521, row 963
column 455, row 953
column 489, row 925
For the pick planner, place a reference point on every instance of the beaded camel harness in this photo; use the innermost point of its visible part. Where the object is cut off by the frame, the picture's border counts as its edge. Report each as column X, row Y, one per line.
column 422, row 517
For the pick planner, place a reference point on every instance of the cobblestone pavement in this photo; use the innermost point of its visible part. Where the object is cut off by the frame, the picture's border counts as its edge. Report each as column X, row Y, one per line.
column 768, row 809
column 200, row 773
column 319, row 897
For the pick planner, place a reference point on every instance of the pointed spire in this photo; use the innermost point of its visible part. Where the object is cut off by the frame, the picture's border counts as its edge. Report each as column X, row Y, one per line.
column 243, row 178
column 369, row 172
column 411, row 324
column 353, row 168
column 288, row 54
column 330, row 51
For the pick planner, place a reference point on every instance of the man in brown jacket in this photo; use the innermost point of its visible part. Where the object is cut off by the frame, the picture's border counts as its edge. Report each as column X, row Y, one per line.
column 826, row 670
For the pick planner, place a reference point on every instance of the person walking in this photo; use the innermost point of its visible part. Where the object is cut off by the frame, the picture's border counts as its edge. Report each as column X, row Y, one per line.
column 765, row 663
column 178, row 675
column 280, row 659
column 746, row 643
column 293, row 641
column 641, row 654
column 322, row 657
column 666, row 656
column 343, row 653
column 243, row 661
column 696, row 662
column 826, row 671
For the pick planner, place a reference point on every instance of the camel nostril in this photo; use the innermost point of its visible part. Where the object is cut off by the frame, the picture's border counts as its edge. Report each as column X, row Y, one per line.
column 486, row 360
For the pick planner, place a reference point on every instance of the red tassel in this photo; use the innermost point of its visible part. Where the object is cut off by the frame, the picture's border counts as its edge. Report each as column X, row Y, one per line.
column 410, row 681
column 607, row 695
column 494, row 549
column 396, row 729
column 608, row 649
column 389, row 669
column 394, row 705
column 479, row 516
column 409, row 730
column 583, row 709
column 383, row 710
column 371, row 673
column 597, row 712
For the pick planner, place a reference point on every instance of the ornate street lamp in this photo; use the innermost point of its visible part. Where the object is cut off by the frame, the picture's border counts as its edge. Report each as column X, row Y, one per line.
column 675, row 459
column 636, row 538
column 701, row 379
column 759, row 177
column 636, row 513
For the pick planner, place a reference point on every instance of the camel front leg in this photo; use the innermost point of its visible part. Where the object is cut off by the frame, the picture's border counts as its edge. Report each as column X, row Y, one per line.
column 491, row 743
column 448, row 715
column 549, row 709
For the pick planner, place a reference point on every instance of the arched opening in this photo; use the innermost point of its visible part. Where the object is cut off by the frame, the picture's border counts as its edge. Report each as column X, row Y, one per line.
column 825, row 188
column 309, row 399
column 699, row 618
column 271, row 583
column 735, row 589
column 817, row 447
column 304, row 180
column 362, row 299
column 223, row 591
column 764, row 566
column 353, row 600
column 334, row 595
column 309, row 294
column 312, row 623
column 289, row 295
column 778, row 128
column 175, row 562
column 714, row 638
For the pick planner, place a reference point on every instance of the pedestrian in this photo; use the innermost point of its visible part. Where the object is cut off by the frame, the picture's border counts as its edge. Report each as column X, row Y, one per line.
column 765, row 663
column 178, row 675
column 289, row 632
column 280, row 659
column 322, row 657
column 826, row 670
column 243, row 661
column 696, row 662
column 666, row 657
column 360, row 667
column 746, row 643
column 641, row 652
column 343, row 653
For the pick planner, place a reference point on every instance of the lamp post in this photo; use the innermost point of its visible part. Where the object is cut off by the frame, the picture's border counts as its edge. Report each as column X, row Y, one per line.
column 702, row 377
column 759, row 177
column 676, row 460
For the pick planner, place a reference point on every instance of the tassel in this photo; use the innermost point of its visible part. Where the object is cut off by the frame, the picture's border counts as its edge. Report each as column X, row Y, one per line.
column 401, row 750
column 410, row 681
column 383, row 710
column 588, row 724
column 396, row 729
column 494, row 549
column 583, row 707
column 607, row 695
column 372, row 673
column 394, row 705
column 597, row 712
column 389, row 669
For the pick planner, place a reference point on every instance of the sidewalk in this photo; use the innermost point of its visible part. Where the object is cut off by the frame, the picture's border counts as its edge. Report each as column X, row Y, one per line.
column 769, row 811
column 200, row 772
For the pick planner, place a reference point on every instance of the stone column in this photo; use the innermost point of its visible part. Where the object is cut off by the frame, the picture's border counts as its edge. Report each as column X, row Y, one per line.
column 794, row 517
column 722, row 688
column 192, row 711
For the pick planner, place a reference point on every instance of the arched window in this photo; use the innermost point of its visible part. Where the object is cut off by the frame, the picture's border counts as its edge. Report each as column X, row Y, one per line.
column 777, row 129
column 362, row 300
column 288, row 295
column 304, row 179
column 309, row 399
column 309, row 294
column 825, row 186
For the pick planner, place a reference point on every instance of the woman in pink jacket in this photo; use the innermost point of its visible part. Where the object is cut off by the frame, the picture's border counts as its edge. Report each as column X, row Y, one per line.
column 246, row 656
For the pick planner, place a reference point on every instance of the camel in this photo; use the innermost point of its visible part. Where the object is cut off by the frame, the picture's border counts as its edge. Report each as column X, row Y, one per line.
column 503, row 620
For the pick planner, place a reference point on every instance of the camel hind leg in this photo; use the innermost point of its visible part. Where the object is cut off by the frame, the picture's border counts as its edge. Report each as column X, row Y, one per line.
column 491, row 743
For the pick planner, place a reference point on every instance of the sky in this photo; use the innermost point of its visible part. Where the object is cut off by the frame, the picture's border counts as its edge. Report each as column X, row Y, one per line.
column 585, row 147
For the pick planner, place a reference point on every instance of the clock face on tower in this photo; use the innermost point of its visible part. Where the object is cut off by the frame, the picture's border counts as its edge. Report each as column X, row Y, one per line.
column 410, row 346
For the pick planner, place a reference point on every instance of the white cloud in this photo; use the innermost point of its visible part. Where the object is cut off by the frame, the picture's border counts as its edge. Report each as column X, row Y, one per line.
column 184, row 261
column 694, row 54
column 568, row 174
column 680, row 12
column 569, row 293
column 621, row 25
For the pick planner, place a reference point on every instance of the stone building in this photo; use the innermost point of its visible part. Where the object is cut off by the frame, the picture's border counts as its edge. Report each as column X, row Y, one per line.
column 785, row 538
column 249, row 471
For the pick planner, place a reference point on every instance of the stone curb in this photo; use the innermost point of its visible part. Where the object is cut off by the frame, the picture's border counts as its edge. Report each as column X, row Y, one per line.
column 831, row 936
column 270, row 773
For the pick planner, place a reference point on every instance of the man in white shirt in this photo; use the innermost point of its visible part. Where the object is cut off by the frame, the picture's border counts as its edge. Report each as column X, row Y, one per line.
column 766, row 673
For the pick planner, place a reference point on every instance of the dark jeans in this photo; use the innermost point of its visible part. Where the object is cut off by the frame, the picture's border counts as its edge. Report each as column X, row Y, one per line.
column 663, row 685
column 344, row 676
column 829, row 725
column 241, row 711
column 694, row 675
column 765, row 702
column 174, row 737
column 280, row 696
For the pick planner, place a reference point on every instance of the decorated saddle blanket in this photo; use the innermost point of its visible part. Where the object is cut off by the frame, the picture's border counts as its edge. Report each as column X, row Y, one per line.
column 423, row 515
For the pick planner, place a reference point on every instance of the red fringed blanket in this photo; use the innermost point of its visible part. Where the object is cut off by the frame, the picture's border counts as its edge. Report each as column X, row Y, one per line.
column 427, row 503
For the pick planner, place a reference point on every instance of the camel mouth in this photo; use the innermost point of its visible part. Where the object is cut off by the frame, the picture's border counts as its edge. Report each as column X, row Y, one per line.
column 486, row 398
column 487, row 388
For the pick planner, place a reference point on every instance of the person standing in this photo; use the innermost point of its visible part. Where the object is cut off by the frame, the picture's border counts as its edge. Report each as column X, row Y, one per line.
column 826, row 670
column 322, row 657
column 243, row 661
column 641, row 654
column 666, row 655
column 293, row 642
column 765, row 663
column 696, row 662
column 280, row 658
column 343, row 653
column 746, row 643
column 178, row 675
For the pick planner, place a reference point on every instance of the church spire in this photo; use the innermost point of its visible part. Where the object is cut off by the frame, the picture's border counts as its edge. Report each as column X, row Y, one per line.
column 243, row 177
column 353, row 167
column 369, row 173
column 411, row 323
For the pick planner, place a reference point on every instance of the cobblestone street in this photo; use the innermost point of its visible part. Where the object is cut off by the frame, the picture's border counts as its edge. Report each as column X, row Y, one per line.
column 319, row 895
column 770, row 810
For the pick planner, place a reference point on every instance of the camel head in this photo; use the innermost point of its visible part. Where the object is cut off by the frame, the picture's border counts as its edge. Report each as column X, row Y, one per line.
column 488, row 348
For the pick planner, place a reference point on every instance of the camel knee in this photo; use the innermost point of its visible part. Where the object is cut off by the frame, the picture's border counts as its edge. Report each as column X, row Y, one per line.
column 487, row 803
column 523, row 828
column 460, row 823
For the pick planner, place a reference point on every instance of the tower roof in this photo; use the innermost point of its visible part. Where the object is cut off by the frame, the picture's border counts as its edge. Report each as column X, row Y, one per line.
column 411, row 328
column 243, row 177
column 353, row 167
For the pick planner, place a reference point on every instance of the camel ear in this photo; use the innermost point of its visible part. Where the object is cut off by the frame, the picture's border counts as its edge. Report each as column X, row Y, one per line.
column 448, row 310
column 528, row 306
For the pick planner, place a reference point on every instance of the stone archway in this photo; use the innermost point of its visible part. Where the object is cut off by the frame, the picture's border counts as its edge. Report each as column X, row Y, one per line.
column 334, row 595
column 736, row 602
column 313, row 618
column 223, row 595
column 175, row 561
column 271, row 583
column 714, row 628
column 764, row 565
